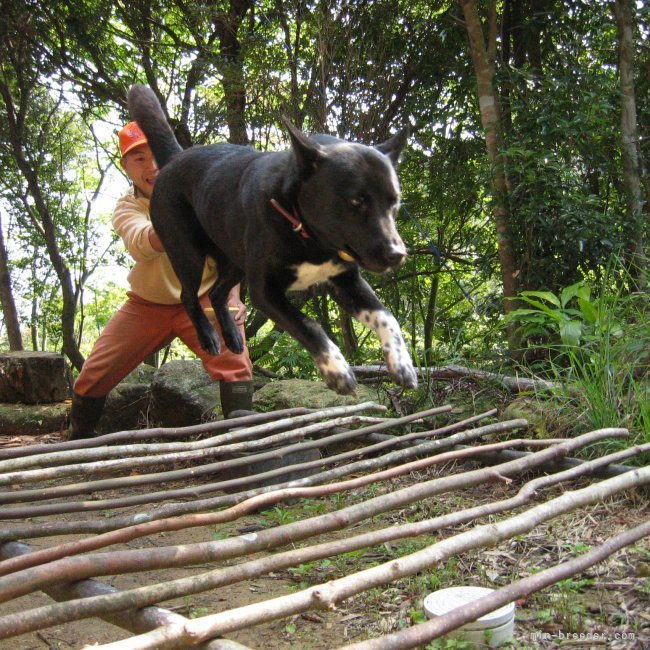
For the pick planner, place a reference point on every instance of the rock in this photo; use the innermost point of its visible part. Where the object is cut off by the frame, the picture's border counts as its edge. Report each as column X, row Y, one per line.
column 543, row 421
column 183, row 394
column 127, row 405
column 33, row 377
column 268, row 465
column 33, row 419
column 180, row 393
column 289, row 393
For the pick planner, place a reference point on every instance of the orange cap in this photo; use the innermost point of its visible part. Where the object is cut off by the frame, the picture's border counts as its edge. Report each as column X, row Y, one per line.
column 131, row 136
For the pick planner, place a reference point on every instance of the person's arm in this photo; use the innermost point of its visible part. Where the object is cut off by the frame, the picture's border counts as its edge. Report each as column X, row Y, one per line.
column 131, row 222
column 155, row 242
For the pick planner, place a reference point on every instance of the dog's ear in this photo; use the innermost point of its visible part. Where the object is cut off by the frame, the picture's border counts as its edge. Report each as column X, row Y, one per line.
column 308, row 153
column 393, row 147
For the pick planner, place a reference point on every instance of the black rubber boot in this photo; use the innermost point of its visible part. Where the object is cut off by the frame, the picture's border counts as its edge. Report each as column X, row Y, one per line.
column 84, row 416
column 236, row 398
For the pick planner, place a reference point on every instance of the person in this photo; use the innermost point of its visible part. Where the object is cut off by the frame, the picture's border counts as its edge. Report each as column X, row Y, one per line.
column 153, row 314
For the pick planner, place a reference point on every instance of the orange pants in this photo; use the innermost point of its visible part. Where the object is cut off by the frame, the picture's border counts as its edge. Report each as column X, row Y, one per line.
column 141, row 328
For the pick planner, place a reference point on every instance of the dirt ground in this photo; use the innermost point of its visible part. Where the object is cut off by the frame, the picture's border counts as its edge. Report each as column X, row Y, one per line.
column 611, row 602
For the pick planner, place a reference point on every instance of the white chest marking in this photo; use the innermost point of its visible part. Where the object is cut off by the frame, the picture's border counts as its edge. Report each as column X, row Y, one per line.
column 308, row 274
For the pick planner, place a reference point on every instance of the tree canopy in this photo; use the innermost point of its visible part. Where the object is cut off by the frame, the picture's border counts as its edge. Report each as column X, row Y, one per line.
column 525, row 170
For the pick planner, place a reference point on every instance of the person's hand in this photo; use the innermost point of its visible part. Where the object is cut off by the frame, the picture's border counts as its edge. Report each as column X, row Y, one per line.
column 238, row 310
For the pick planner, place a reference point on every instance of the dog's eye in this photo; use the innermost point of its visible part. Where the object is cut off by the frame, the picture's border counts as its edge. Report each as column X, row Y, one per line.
column 358, row 202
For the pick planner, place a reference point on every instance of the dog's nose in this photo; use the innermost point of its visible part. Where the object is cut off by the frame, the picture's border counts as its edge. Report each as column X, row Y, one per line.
column 395, row 255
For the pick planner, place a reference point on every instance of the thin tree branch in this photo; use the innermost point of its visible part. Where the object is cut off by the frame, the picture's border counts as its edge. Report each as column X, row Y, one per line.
column 140, row 597
column 425, row 632
column 77, row 568
column 326, row 596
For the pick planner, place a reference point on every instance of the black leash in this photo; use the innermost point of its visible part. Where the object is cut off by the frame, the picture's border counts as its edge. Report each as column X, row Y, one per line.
column 434, row 250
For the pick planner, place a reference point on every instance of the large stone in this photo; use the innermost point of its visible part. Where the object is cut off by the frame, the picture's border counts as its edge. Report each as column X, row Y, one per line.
column 33, row 377
column 33, row 419
column 290, row 393
column 127, row 405
column 182, row 394
column 253, row 469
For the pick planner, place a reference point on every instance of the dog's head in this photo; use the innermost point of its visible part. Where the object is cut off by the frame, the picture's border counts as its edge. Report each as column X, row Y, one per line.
column 348, row 195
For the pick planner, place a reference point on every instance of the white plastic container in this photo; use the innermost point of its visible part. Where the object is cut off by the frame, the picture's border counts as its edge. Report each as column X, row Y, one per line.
column 489, row 631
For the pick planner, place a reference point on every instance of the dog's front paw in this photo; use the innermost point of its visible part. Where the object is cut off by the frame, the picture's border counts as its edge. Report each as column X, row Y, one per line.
column 399, row 362
column 396, row 355
column 343, row 384
column 405, row 375
column 336, row 372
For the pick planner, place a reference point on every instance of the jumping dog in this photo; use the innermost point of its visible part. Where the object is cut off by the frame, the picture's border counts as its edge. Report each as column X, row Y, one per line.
column 284, row 220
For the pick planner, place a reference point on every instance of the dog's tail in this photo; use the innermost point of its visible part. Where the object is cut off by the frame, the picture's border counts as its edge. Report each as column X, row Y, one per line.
column 146, row 111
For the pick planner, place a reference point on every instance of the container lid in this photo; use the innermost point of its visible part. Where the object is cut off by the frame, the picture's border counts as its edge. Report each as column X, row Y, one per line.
column 443, row 601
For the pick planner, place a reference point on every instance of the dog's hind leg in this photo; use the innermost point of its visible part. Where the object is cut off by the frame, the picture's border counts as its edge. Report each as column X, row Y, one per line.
column 269, row 298
column 229, row 276
column 182, row 239
column 354, row 295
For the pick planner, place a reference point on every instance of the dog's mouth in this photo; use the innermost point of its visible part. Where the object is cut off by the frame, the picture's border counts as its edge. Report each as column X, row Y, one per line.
column 349, row 254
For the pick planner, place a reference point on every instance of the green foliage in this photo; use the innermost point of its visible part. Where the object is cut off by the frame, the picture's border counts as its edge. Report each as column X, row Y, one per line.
column 573, row 317
column 281, row 354
column 358, row 70
column 562, row 156
column 594, row 341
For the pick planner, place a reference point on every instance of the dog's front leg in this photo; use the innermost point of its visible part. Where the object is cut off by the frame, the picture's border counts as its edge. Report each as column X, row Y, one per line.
column 328, row 358
column 356, row 296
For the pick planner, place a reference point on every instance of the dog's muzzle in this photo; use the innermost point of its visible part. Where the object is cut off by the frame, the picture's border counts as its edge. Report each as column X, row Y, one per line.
column 379, row 259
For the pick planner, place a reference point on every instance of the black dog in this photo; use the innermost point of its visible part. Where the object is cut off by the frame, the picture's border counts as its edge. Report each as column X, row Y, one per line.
column 284, row 220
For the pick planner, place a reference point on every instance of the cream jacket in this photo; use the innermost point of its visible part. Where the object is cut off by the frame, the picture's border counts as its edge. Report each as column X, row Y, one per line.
column 152, row 276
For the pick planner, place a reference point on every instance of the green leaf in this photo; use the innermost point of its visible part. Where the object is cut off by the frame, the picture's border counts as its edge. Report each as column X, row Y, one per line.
column 542, row 295
column 589, row 310
column 579, row 289
column 555, row 314
column 571, row 332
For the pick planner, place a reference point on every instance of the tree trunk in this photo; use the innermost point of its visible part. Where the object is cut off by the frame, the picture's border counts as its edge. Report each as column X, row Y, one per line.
column 234, row 86
column 430, row 319
column 482, row 60
column 630, row 143
column 7, row 298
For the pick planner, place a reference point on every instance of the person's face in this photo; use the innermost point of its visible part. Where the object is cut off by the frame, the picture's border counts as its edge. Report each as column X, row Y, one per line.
column 141, row 168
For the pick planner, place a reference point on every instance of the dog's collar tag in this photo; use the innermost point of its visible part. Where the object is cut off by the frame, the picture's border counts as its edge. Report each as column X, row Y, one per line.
column 346, row 257
column 296, row 224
